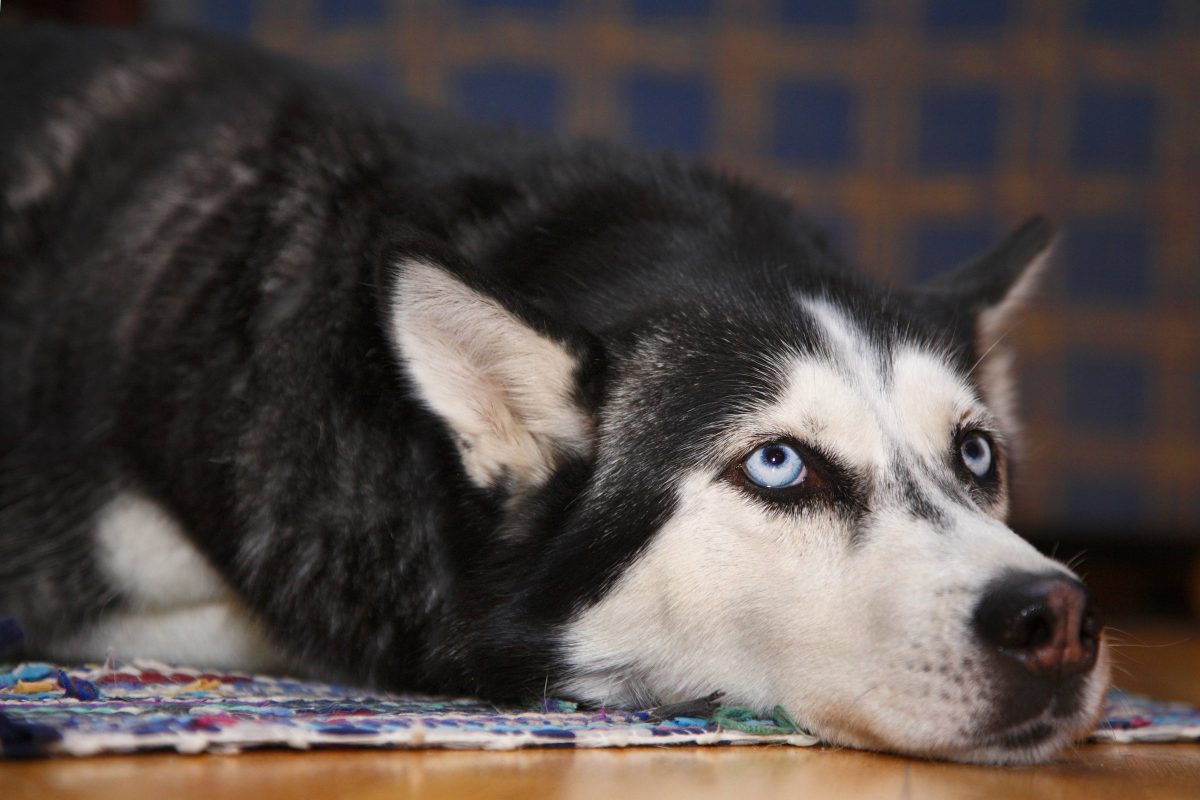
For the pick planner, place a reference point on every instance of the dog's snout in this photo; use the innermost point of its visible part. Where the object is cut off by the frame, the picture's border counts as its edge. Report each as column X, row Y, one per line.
column 1046, row 622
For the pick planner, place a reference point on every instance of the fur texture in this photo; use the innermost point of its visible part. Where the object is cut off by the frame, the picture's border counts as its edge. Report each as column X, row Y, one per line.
column 287, row 374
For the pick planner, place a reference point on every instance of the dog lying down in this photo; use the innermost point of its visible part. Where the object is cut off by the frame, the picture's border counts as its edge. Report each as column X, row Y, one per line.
column 290, row 376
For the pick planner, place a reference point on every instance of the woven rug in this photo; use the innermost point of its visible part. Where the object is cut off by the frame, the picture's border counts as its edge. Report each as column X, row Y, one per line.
column 146, row 705
column 48, row 709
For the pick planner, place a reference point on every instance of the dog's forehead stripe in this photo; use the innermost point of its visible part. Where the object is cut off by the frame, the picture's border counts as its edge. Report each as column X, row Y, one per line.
column 911, row 391
column 849, row 348
column 883, row 404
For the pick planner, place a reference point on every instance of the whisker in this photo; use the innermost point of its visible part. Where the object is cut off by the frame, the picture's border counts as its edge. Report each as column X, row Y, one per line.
column 986, row 353
column 1142, row 643
column 1076, row 561
column 1128, row 645
column 1124, row 671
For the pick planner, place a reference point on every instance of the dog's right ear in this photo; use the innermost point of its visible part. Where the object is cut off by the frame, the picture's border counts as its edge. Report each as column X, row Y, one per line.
column 982, row 298
column 504, row 379
column 992, row 287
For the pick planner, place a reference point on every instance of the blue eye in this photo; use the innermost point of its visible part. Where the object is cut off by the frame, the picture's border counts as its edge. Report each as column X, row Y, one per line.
column 976, row 453
column 775, row 466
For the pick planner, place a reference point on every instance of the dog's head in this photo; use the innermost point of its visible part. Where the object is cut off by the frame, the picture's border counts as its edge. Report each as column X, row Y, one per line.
column 793, row 494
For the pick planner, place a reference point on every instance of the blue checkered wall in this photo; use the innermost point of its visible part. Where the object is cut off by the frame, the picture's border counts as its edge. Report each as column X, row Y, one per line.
column 917, row 131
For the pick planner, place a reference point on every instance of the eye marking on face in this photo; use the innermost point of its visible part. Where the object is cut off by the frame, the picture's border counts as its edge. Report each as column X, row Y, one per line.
column 775, row 466
column 789, row 475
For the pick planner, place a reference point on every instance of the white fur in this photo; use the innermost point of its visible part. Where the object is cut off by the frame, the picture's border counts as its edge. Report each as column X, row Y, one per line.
column 217, row 634
column 504, row 389
column 867, row 643
column 145, row 554
column 175, row 606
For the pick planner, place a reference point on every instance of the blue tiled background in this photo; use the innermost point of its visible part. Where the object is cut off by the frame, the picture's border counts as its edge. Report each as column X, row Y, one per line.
column 918, row 131
column 960, row 128
column 814, row 124
column 669, row 112
column 501, row 92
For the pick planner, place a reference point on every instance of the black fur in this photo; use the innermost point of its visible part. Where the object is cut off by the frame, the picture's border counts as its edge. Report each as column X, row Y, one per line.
column 197, row 244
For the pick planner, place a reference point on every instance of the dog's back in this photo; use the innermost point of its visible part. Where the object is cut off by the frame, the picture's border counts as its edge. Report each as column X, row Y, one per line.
column 144, row 179
column 54, row 474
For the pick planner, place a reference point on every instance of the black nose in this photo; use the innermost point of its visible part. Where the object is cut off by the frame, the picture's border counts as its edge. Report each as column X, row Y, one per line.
column 1046, row 622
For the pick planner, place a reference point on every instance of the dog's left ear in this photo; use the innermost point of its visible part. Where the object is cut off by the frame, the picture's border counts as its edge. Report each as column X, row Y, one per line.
column 504, row 379
column 986, row 294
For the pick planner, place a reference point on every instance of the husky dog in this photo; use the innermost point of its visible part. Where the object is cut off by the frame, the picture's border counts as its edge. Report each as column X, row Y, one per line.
column 293, row 378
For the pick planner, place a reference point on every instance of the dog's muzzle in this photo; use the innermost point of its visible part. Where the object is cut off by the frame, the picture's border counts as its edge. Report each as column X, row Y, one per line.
column 1044, row 635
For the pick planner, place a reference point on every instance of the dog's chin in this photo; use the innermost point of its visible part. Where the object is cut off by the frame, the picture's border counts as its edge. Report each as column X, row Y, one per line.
column 1032, row 743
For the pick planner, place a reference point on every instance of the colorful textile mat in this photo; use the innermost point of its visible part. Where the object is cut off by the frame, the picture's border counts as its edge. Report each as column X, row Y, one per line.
column 146, row 705
column 1133, row 718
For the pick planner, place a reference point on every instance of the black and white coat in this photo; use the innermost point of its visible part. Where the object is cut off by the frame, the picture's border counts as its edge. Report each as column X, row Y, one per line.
column 289, row 376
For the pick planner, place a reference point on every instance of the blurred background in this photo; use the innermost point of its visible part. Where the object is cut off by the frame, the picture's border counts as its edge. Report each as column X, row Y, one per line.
column 917, row 132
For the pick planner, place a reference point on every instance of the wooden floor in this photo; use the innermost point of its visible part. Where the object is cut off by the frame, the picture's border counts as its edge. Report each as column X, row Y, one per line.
column 1164, row 660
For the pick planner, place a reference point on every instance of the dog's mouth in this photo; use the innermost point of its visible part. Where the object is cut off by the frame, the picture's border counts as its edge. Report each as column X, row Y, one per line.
column 1036, row 719
column 1030, row 741
column 1030, row 733
column 1025, row 737
column 1026, row 702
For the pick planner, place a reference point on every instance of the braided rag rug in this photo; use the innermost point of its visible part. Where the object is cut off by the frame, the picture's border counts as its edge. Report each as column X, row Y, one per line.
column 48, row 709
